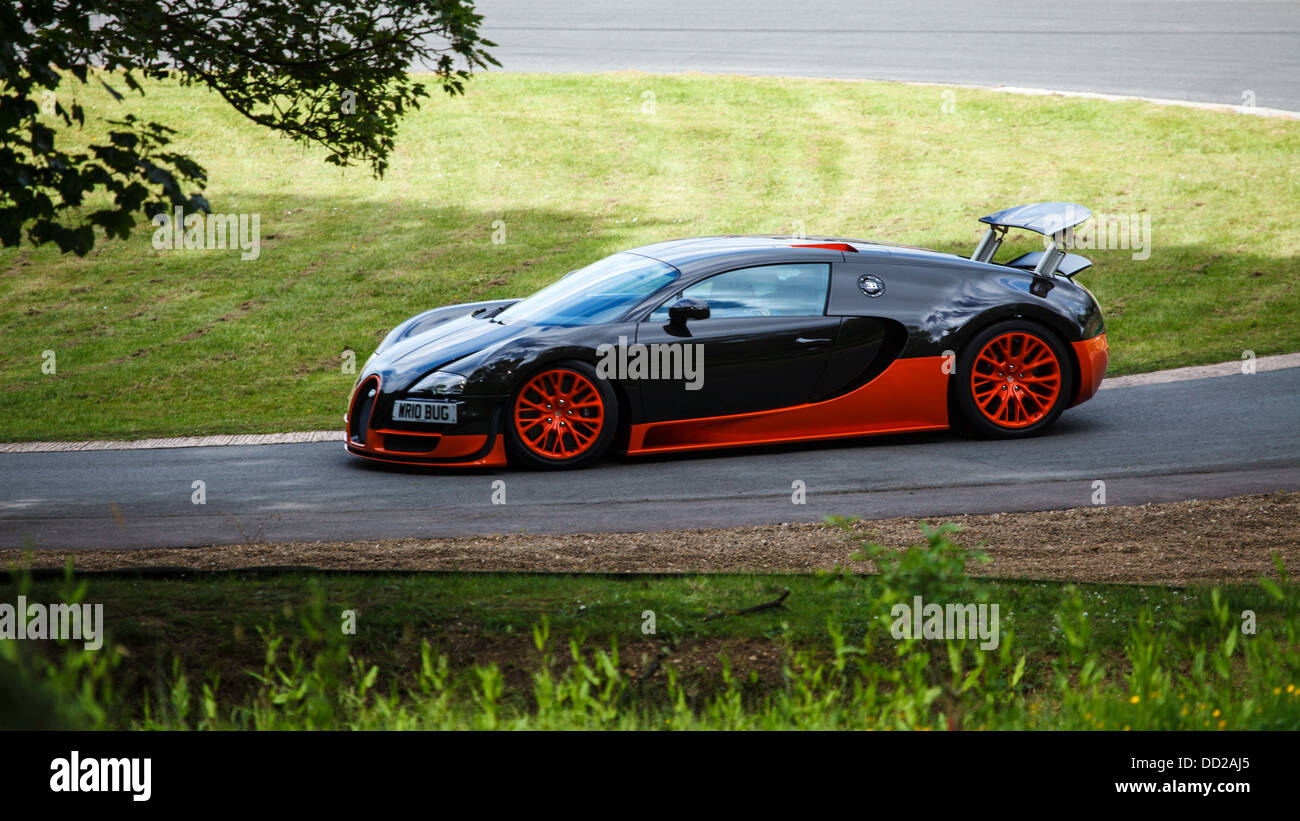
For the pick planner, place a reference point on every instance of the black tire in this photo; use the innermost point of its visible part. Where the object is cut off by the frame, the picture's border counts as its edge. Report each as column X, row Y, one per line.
column 1023, row 403
column 542, row 445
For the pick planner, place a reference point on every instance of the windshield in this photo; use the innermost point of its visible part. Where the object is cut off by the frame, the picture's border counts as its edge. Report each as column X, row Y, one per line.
column 601, row 292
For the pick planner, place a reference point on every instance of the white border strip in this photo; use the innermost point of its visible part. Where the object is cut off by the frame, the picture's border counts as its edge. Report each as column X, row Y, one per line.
column 178, row 442
column 1224, row 108
column 1263, row 363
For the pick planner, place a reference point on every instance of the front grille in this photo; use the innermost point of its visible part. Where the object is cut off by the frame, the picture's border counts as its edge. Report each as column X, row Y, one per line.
column 363, row 401
column 410, row 444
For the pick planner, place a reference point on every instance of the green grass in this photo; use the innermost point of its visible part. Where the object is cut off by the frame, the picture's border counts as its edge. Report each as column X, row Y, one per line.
column 538, row 651
column 209, row 616
column 163, row 343
column 486, row 621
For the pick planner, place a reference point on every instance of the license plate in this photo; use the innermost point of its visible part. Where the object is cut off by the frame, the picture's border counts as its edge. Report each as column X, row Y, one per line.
column 443, row 413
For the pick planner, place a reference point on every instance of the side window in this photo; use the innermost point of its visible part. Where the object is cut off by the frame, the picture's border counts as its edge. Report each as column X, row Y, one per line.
column 767, row 290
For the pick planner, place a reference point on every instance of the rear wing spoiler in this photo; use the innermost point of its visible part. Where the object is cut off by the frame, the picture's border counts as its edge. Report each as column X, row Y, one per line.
column 1067, row 266
column 1055, row 220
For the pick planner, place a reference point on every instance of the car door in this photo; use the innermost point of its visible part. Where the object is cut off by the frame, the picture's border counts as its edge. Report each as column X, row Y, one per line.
column 764, row 345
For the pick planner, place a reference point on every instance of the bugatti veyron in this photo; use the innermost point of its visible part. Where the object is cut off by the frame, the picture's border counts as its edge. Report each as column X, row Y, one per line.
column 739, row 341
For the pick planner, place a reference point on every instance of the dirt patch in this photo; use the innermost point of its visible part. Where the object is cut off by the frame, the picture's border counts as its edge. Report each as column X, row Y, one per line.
column 1175, row 544
column 698, row 660
column 244, row 309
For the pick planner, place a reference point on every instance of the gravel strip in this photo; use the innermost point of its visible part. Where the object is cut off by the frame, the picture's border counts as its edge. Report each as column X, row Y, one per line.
column 1177, row 543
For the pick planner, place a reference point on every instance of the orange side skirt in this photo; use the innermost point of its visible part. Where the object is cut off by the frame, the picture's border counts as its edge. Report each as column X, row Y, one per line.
column 910, row 395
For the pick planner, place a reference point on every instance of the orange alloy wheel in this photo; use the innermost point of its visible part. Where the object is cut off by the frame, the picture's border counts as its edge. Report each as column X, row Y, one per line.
column 559, row 414
column 1016, row 379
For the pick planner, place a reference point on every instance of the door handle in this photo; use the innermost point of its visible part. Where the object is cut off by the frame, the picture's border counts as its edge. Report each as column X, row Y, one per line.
column 804, row 341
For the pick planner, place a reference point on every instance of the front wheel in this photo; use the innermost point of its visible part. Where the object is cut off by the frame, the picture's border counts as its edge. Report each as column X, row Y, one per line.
column 1013, row 380
column 562, row 416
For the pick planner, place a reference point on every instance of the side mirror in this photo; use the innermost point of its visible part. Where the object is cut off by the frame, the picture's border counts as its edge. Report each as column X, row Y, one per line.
column 684, row 309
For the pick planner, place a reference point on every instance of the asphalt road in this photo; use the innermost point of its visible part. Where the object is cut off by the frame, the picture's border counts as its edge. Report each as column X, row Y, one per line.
column 1195, row 439
column 1203, row 50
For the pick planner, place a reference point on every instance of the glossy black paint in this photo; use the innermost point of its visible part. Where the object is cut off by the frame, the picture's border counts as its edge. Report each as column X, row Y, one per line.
column 931, row 303
column 753, row 364
column 941, row 302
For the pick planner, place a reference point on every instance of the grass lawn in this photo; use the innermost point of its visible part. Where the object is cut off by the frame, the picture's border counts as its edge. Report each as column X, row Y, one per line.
column 483, row 625
column 152, row 342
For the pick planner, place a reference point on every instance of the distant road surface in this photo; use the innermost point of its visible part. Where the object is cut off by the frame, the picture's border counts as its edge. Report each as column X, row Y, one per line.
column 1218, row 51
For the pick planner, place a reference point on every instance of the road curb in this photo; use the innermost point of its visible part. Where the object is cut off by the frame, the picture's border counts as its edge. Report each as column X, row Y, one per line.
column 1028, row 91
column 1237, row 368
column 1223, row 108
column 221, row 440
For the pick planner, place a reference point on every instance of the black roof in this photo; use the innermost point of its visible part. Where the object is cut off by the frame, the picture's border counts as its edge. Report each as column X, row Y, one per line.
column 684, row 252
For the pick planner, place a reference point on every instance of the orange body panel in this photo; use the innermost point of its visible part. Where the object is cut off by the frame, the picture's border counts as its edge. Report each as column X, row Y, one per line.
column 449, row 447
column 1093, row 355
column 910, row 395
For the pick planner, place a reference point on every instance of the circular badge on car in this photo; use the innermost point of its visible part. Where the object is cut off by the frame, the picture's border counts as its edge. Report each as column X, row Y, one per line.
column 871, row 285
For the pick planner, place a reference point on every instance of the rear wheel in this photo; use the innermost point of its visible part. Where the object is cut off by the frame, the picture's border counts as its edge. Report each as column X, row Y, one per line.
column 563, row 416
column 1013, row 379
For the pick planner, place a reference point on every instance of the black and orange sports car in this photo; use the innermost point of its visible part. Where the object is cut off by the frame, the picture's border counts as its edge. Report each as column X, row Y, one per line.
column 741, row 340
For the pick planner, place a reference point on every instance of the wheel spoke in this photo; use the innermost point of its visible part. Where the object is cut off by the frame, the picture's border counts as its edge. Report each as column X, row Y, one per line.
column 531, row 405
column 984, row 397
column 1033, row 377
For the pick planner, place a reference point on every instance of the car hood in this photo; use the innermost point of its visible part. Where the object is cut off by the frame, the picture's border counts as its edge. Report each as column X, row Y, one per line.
column 405, row 361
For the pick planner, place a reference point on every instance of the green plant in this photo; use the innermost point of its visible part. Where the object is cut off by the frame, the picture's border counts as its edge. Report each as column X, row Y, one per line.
column 1194, row 669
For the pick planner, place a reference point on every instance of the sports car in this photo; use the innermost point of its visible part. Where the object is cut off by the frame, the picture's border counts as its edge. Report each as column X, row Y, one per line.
column 727, row 341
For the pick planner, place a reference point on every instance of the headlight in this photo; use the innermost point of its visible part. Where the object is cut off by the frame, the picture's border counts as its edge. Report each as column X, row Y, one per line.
column 440, row 382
